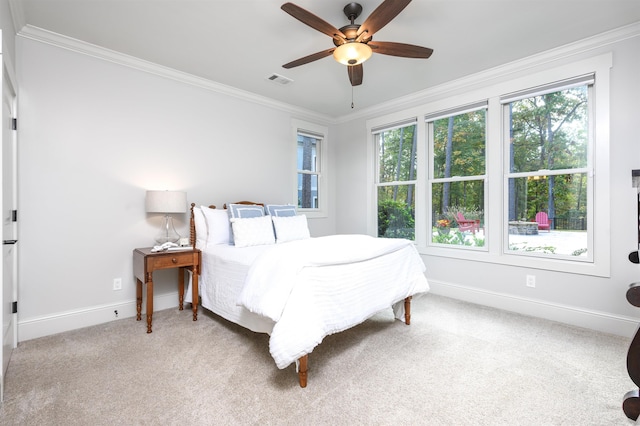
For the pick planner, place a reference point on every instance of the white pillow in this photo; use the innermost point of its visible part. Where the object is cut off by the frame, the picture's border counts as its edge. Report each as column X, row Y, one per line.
column 217, row 224
column 290, row 228
column 252, row 231
column 201, row 228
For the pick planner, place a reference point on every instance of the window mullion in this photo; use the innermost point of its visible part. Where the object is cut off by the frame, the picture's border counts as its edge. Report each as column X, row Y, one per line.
column 544, row 172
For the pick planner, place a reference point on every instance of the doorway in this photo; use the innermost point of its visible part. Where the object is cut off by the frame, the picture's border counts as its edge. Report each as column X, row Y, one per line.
column 8, row 305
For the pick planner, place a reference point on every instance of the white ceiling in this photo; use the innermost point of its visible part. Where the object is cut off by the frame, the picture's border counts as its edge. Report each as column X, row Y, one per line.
column 239, row 43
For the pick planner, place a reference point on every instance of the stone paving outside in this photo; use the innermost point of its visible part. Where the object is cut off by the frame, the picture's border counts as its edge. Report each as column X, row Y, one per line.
column 568, row 243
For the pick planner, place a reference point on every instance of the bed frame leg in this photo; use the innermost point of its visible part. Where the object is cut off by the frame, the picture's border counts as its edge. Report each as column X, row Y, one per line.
column 407, row 310
column 302, row 370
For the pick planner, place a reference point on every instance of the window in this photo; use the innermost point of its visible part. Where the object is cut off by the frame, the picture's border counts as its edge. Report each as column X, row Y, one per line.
column 548, row 182
column 491, row 162
column 457, row 140
column 310, row 191
column 396, row 181
column 308, row 170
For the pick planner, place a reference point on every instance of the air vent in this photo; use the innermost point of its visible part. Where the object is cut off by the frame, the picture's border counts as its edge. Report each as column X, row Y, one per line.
column 277, row 78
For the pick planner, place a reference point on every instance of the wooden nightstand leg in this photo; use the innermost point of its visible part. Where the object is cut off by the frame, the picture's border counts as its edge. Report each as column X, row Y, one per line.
column 139, row 299
column 194, row 293
column 181, row 288
column 149, row 305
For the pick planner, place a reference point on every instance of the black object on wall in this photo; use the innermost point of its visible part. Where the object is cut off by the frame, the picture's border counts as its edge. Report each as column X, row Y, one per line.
column 631, row 401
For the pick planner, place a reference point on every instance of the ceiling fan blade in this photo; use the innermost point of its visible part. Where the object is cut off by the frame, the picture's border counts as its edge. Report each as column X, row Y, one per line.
column 355, row 74
column 400, row 49
column 312, row 20
column 383, row 14
column 310, row 58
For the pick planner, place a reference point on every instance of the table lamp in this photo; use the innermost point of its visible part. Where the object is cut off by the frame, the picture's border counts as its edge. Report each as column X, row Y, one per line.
column 166, row 202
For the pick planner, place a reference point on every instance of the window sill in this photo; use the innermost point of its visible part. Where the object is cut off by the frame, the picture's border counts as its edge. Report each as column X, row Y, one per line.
column 558, row 265
column 313, row 213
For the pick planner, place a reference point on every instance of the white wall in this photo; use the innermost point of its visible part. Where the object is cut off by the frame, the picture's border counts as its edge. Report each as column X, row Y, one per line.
column 8, row 35
column 94, row 135
column 587, row 301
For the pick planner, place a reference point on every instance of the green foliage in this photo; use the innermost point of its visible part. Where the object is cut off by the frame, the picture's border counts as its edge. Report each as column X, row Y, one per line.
column 459, row 145
column 549, row 132
column 397, row 154
column 395, row 220
column 458, row 238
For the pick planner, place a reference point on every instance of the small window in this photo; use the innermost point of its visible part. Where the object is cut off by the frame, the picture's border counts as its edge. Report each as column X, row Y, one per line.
column 308, row 170
column 311, row 168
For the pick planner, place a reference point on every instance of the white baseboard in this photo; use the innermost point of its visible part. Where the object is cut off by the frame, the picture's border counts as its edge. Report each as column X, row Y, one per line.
column 65, row 321
column 580, row 317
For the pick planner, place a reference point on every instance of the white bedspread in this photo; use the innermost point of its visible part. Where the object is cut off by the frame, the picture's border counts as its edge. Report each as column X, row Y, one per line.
column 319, row 286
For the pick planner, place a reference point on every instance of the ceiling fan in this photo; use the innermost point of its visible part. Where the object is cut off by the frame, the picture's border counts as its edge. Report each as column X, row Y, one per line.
column 354, row 43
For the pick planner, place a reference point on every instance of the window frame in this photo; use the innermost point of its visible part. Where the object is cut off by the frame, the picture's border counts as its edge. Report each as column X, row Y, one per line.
column 589, row 81
column 377, row 183
column 432, row 180
column 322, row 133
column 462, row 93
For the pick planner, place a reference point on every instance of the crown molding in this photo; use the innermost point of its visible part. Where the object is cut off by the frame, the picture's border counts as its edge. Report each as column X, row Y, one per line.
column 17, row 14
column 501, row 71
column 571, row 49
column 78, row 46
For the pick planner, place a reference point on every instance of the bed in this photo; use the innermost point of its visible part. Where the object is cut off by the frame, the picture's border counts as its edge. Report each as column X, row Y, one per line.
column 262, row 270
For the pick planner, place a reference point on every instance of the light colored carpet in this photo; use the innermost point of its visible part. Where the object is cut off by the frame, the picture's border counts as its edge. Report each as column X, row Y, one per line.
column 457, row 364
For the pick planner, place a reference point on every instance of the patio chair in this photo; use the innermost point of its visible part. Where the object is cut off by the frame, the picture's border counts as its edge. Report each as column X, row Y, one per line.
column 543, row 221
column 472, row 225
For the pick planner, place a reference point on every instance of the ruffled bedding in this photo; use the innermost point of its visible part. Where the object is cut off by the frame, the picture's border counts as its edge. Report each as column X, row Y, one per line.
column 316, row 287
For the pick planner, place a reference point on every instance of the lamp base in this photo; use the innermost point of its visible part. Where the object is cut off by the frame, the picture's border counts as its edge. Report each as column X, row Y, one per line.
column 168, row 233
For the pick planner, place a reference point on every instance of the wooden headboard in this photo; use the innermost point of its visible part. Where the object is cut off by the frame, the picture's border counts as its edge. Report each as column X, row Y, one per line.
column 192, row 223
column 249, row 203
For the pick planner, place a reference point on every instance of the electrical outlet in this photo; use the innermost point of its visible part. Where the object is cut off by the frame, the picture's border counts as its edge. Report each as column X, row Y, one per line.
column 117, row 283
column 531, row 281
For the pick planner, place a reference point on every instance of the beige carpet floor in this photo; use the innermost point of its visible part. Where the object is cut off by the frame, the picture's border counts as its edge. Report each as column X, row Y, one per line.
column 457, row 364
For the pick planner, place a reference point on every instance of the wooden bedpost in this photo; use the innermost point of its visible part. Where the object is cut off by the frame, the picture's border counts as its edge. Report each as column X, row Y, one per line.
column 302, row 370
column 192, row 228
column 407, row 310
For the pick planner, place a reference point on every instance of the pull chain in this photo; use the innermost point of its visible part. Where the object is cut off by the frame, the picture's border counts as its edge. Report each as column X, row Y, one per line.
column 351, row 97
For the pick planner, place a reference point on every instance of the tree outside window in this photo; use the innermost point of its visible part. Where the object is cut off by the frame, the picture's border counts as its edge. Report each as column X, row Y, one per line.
column 396, row 181
column 458, row 178
column 548, row 172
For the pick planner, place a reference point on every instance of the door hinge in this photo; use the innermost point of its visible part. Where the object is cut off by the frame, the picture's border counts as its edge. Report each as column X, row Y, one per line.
column 14, row 124
column 14, row 307
column 14, row 215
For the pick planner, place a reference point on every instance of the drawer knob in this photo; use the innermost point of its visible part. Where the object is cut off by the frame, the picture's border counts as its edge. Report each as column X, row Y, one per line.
column 174, row 260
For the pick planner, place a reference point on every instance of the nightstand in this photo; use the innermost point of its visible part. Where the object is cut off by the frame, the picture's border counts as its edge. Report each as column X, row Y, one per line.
column 145, row 262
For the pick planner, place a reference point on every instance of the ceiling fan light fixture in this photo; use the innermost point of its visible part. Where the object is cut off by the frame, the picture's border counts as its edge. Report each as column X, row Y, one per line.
column 352, row 53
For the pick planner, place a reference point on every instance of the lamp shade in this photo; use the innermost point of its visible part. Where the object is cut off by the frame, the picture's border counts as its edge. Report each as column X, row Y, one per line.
column 166, row 202
column 352, row 53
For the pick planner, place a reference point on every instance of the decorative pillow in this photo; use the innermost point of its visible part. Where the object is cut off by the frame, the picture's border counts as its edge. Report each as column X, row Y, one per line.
column 201, row 228
column 217, row 224
column 253, row 231
column 290, row 228
column 244, row 211
column 281, row 210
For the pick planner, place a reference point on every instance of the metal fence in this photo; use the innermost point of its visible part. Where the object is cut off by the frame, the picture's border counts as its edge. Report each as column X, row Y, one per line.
column 569, row 224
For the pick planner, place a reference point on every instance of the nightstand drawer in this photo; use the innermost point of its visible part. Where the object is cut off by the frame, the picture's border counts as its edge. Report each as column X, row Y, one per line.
column 172, row 260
